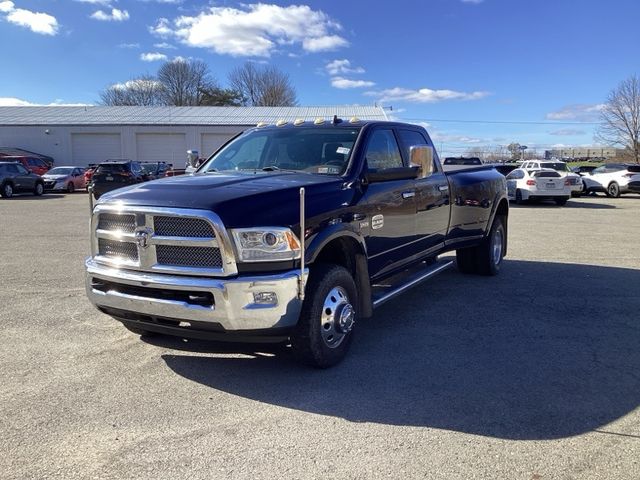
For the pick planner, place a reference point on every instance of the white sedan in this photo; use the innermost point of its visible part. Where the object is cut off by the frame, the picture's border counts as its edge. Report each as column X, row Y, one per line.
column 612, row 179
column 562, row 168
column 545, row 184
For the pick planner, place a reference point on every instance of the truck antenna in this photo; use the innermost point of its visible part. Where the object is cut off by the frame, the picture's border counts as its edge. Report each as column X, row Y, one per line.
column 301, row 282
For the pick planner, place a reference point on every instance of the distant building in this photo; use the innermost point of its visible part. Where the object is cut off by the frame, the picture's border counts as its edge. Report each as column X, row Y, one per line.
column 83, row 135
column 584, row 153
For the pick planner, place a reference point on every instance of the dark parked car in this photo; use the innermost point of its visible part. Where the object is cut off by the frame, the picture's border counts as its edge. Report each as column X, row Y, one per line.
column 584, row 169
column 114, row 174
column 154, row 170
column 14, row 178
column 462, row 161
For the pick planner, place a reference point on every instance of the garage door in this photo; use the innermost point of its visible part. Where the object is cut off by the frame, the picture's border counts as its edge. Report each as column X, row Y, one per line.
column 162, row 147
column 211, row 142
column 89, row 148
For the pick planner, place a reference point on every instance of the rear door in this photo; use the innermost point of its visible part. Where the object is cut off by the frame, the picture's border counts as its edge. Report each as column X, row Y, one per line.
column 432, row 196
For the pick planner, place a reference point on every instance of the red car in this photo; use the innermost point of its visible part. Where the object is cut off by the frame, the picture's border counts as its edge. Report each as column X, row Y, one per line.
column 88, row 173
column 33, row 164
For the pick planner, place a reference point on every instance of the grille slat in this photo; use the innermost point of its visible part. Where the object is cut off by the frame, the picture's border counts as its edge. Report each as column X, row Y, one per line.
column 182, row 227
column 199, row 257
column 114, row 221
column 118, row 250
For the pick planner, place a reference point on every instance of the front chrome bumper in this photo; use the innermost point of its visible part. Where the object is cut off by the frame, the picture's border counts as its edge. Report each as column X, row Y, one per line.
column 233, row 306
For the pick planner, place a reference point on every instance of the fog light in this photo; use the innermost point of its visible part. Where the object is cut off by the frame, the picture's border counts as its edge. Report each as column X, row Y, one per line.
column 265, row 298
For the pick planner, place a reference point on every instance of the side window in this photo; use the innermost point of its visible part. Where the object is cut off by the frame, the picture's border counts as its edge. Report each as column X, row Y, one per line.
column 408, row 139
column 599, row 170
column 515, row 175
column 21, row 170
column 383, row 151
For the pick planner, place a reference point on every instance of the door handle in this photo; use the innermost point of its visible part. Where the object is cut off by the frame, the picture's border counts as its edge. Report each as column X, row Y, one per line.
column 443, row 188
column 406, row 195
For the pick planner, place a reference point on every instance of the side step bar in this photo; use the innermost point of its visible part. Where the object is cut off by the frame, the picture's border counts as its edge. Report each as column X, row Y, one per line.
column 411, row 281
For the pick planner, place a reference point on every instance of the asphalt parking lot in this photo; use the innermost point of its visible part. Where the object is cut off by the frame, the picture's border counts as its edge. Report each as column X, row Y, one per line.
column 533, row 374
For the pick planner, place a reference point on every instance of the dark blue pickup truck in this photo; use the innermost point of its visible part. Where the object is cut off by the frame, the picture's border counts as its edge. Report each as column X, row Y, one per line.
column 292, row 233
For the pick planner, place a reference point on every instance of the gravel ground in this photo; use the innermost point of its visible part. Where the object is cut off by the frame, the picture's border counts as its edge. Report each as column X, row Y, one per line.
column 532, row 374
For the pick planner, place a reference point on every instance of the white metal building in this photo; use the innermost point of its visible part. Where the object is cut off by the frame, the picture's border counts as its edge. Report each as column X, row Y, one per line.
column 83, row 135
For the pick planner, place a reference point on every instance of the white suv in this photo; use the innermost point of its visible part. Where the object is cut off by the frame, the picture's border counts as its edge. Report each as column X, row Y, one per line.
column 612, row 179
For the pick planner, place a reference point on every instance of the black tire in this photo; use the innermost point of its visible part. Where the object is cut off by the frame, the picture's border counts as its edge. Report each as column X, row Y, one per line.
column 613, row 190
column 71, row 187
column 39, row 189
column 486, row 258
column 561, row 202
column 139, row 331
column 318, row 339
column 7, row 190
column 519, row 200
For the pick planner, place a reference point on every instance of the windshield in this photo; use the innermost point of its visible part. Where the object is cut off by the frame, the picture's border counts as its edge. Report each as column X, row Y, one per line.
column 60, row 171
column 557, row 166
column 305, row 149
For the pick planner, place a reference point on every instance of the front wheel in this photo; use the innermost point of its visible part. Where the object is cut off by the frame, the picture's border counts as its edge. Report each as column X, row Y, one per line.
column 613, row 190
column 71, row 187
column 39, row 189
column 324, row 331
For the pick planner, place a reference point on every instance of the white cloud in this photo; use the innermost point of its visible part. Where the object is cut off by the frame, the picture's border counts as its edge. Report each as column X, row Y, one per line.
column 256, row 30
column 424, row 95
column 129, row 45
column 343, row 83
column 165, row 45
column 152, row 57
column 116, row 15
column 6, row 6
column 141, row 83
column 580, row 112
column 105, row 3
column 338, row 67
column 17, row 102
column 567, row 132
column 37, row 22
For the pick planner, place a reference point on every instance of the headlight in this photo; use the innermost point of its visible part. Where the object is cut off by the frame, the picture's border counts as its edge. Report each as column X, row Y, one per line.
column 266, row 244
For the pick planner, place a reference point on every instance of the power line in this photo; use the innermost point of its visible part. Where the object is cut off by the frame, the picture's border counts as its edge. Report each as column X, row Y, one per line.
column 500, row 122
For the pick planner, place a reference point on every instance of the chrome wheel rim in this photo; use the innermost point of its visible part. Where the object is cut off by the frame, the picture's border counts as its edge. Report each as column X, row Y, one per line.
column 496, row 246
column 613, row 190
column 8, row 190
column 338, row 317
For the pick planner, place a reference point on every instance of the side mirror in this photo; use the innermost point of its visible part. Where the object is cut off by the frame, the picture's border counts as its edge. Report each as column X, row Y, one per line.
column 422, row 156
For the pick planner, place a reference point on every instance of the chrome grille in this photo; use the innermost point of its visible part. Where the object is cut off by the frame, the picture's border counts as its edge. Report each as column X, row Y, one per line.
column 199, row 257
column 117, row 250
column 164, row 240
column 114, row 221
column 182, row 227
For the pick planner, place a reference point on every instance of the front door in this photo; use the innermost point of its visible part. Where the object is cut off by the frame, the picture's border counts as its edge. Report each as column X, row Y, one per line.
column 390, row 205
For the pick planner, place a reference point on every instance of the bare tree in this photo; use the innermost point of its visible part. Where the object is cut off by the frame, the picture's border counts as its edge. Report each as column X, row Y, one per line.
column 263, row 86
column 620, row 117
column 143, row 91
column 184, row 82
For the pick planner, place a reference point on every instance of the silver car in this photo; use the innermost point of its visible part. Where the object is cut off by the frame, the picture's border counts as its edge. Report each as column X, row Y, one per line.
column 68, row 179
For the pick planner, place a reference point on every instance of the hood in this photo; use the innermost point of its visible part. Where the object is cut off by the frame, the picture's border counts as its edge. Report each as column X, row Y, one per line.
column 241, row 199
column 47, row 176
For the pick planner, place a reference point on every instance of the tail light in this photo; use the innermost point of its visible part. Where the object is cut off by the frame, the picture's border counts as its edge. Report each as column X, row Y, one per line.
column 531, row 182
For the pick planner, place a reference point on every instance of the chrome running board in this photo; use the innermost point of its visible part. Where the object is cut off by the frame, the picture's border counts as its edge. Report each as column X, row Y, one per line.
column 387, row 292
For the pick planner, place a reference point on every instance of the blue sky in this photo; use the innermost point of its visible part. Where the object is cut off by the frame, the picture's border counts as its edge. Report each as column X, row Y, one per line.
column 541, row 67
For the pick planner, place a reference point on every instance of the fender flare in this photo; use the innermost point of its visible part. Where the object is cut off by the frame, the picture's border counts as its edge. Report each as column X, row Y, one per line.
column 329, row 234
